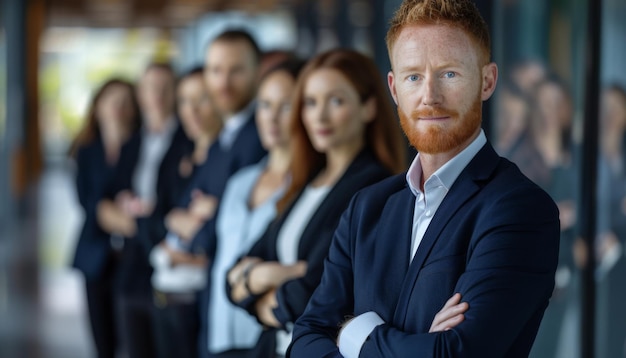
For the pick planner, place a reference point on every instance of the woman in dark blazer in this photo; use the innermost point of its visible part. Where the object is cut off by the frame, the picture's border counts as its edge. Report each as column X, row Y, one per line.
column 345, row 138
column 129, row 199
column 111, row 119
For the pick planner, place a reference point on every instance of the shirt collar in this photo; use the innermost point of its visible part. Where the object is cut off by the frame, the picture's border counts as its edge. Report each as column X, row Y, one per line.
column 447, row 174
column 234, row 123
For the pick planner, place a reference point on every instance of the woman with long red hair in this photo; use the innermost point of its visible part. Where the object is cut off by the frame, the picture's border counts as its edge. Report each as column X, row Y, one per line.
column 344, row 137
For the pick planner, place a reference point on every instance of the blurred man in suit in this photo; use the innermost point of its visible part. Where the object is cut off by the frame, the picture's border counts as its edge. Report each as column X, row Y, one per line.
column 231, row 73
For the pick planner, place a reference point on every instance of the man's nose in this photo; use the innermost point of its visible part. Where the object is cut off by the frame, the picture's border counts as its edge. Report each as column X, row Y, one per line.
column 431, row 92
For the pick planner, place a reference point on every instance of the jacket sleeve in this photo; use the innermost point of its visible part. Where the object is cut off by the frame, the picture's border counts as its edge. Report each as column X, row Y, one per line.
column 315, row 332
column 293, row 295
column 82, row 180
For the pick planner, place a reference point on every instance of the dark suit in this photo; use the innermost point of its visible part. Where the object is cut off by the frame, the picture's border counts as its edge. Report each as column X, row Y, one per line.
column 221, row 164
column 134, row 272
column 212, row 176
column 93, row 255
column 293, row 295
column 494, row 239
column 171, row 184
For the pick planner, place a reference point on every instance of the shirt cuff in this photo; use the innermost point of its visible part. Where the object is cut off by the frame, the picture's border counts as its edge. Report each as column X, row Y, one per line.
column 354, row 334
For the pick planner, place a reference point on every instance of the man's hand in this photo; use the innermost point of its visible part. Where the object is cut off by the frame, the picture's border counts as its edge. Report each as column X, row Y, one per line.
column 115, row 221
column 183, row 224
column 450, row 315
column 132, row 205
column 202, row 206
column 271, row 274
column 264, row 307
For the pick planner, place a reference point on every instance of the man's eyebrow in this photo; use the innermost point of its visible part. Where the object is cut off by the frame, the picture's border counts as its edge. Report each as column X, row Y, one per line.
column 417, row 68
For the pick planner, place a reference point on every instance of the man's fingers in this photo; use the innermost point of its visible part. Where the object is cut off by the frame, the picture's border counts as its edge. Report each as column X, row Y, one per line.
column 452, row 322
column 449, row 312
column 450, row 315
column 456, row 298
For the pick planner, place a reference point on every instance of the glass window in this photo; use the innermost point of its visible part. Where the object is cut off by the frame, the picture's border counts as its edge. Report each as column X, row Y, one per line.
column 611, row 209
column 537, row 115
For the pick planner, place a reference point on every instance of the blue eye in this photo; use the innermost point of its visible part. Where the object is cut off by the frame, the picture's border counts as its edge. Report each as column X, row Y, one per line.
column 336, row 101
column 413, row 78
column 449, row 74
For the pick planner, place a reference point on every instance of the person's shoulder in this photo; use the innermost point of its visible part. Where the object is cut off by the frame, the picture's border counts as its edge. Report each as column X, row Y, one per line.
column 510, row 181
column 384, row 188
column 247, row 173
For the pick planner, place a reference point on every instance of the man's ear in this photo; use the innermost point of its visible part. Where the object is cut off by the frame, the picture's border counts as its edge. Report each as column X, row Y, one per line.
column 392, row 86
column 489, row 80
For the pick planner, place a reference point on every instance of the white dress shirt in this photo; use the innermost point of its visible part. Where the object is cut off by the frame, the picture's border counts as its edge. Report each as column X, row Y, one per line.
column 153, row 147
column 354, row 334
column 288, row 242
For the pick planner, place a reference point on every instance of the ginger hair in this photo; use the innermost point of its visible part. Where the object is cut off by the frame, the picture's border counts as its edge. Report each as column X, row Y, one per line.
column 461, row 14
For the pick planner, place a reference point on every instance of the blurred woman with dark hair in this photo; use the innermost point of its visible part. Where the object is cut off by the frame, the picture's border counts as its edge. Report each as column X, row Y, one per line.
column 551, row 129
column 344, row 137
column 112, row 117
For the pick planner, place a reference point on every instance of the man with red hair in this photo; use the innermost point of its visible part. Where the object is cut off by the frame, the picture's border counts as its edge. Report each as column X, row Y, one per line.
column 462, row 224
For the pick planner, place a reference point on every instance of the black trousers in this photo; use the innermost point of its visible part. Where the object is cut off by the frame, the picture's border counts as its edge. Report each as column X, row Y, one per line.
column 137, row 322
column 176, row 329
column 101, row 308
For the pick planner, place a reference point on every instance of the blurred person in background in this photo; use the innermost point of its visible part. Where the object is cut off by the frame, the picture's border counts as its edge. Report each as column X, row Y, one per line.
column 551, row 130
column 129, row 201
column 344, row 137
column 180, row 267
column 112, row 118
column 611, row 265
column 231, row 75
column 527, row 73
column 269, row 60
column 513, row 136
column 248, row 206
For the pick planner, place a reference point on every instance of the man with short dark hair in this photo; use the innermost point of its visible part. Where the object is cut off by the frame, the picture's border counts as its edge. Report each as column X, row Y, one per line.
column 129, row 200
column 461, row 224
column 231, row 74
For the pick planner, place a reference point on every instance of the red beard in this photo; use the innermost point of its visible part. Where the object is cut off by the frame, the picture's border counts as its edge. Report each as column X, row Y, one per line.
column 441, row 138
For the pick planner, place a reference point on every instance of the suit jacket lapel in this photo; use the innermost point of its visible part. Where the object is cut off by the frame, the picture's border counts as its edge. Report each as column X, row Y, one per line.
column 393, row 242
column 461, row 191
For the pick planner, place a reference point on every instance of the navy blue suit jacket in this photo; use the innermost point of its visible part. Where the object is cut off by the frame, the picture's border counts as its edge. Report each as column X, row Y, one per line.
column 494, row 239
column 93, row 250
column 170, row 184
column 221, row 163
column 134, row 270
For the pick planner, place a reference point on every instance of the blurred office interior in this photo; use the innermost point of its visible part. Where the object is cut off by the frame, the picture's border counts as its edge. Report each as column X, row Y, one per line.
column 53, row 53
